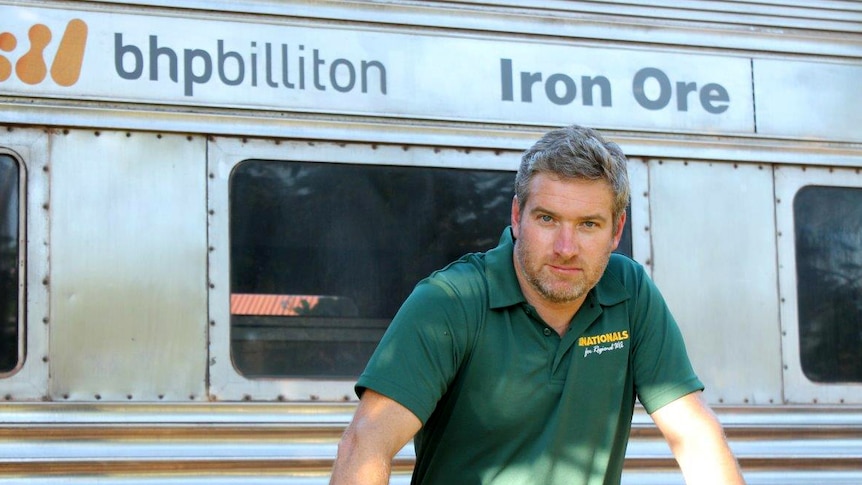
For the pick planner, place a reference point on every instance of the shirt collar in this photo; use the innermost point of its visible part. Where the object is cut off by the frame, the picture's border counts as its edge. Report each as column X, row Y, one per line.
column 505, row 290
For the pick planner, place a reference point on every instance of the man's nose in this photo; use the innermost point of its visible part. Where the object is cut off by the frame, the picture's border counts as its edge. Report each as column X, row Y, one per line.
column 566, row 244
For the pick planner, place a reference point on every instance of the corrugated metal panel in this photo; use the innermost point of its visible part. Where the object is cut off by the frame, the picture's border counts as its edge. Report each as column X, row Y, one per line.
column 295, row 444
column 128, row 285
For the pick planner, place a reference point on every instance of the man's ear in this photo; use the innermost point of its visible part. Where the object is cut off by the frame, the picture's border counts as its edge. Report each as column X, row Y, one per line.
column 516, row 217
column 619, row 230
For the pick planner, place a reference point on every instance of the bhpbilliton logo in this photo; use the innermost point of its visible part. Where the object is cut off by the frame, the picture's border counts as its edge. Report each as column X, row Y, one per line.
column 32, row 67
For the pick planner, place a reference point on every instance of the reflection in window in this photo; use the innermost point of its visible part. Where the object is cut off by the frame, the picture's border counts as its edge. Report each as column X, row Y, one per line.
column 9, row 297
column 829, row 282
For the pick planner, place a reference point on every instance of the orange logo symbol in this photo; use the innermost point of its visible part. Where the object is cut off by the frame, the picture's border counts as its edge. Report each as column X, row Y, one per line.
column 31, row 68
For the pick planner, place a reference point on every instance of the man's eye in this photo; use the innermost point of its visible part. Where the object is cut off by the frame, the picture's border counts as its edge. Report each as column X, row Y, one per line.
column 546, row 218
column 590, row 224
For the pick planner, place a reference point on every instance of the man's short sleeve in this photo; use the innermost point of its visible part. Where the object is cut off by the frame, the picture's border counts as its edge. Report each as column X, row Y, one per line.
column 421, row 351
column 662, row 370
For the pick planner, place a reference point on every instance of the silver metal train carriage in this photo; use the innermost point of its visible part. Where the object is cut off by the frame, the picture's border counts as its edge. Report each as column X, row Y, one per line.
column 209, row 213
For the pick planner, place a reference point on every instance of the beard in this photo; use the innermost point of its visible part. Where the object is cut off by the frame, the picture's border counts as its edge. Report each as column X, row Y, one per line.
column 557, row 288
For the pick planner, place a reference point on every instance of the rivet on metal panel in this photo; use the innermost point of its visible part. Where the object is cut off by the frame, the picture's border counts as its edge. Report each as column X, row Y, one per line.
column 189, row 138
column 437, row 150
column 212, row 323
column 7, row 397
column 280, row 397
column 246, row 397
column 212, row 175
column 97, row 133
column 212, row 212
column 211, row 249
column 45, row 359
column 374, row 146
column 45, row 281
column 646, row 228
column 45, row 320
column 315, row 397
column 721, row 399
column 192, row 397
column 65, row 132
column 346, row 397
column 45, row 206
column 498, row 152
column 685, row 163
column 646, row 194
column 161, row 396
column 212, row 285
column 735, row 165
column 648, row 262
column 244, row 140
column 405, row 147
column 98, row 397
column 129, row 397
column 45, row 168
column 128, row 134
column 65, row 396
column 9, row 129
column 159, row 136
column 277, row 142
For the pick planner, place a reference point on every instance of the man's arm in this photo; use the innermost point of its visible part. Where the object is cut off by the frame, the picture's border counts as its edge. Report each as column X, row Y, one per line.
column 697, row 441
column 380, row 428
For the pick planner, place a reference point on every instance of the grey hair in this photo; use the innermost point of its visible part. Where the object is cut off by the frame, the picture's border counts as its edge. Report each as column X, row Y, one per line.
column 575, row 152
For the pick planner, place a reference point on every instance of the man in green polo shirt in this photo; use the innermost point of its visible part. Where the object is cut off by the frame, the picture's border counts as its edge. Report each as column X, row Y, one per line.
column 521, row 365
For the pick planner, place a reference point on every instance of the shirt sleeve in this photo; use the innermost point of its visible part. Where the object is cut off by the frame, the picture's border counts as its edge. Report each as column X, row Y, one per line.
column 662, row 370
column 421, row 351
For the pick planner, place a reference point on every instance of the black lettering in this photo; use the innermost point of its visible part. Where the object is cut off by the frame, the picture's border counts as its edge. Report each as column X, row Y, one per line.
column 381, row 69
column 682, row 91
column 269, row 80
column 317, row 63
column 351, row 75
column 713, row 92
column 587, row 85
column 120, row 52
column 240, row 65
column 155, row 53
column 506, row 80
column 285, row 78
column 527, row 81
column 570, row 90
column 664, row 88
column 189, row 74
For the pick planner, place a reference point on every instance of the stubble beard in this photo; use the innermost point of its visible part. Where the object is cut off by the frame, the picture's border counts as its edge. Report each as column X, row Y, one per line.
column 553, row 289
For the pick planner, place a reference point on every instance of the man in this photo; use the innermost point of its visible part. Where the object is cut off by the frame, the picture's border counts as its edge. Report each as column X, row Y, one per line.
column 522, row 365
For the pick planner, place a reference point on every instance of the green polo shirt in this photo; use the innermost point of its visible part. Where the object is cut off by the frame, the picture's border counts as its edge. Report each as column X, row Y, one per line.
column 503, row 398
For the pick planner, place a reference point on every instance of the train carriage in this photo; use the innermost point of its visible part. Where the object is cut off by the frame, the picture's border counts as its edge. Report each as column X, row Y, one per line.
column 209, row 213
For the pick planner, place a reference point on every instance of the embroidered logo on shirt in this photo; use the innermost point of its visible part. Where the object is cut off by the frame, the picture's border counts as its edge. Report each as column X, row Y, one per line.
column 606, row 342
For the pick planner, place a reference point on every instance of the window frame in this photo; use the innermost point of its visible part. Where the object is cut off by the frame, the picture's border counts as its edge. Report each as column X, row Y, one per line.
column 789, row 180
column 225, row 382
column 29, row 380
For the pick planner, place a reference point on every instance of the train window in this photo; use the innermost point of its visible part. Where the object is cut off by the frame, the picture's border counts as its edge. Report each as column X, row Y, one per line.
column 9, row 214
column 828, row 234
column 323, row 254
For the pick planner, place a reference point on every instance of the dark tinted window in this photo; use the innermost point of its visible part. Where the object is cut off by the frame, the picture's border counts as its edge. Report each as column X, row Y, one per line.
column 9, row 295
column 828, row 224
column 322, row 255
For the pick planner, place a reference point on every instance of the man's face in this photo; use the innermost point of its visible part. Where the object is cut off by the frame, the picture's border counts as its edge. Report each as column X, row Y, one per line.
column 565, row 235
